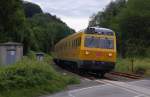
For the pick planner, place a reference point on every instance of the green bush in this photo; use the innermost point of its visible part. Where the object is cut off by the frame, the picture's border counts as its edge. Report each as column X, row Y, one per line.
column 30, row 74
column 141, row 66
column 25, row 74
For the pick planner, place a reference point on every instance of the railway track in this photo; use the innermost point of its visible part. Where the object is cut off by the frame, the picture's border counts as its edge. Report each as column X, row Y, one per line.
column 127, row 75
column 114, row 76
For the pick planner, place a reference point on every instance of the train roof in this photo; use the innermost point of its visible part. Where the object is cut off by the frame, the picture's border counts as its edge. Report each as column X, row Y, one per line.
column 70, row 36
column 90, row 30
column 101, row 29
column 98, row 30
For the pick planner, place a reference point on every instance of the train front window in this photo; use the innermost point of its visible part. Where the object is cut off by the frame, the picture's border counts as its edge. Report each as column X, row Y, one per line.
column 97, row 42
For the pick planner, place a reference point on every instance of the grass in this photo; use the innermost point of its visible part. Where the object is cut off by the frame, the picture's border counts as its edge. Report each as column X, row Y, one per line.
column 141, row 66
column 32, row 78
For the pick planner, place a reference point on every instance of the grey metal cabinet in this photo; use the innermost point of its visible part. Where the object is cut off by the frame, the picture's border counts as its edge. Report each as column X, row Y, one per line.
column 10, row 52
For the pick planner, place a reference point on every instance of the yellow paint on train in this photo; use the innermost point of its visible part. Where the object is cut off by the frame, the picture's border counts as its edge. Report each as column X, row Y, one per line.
column 72, row 48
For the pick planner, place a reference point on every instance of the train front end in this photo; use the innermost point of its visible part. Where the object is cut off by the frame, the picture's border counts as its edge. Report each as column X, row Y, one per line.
column 98, row 50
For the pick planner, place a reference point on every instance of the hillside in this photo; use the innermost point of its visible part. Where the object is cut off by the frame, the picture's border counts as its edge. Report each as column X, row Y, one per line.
column 29, row 25
column 131, row 20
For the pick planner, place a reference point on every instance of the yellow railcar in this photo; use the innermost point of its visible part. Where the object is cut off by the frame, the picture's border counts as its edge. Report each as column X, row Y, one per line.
column 93, row 50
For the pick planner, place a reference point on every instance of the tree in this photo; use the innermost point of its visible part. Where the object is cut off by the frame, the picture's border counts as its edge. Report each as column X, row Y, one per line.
column 48, row 30
column 132, row 20
column 31, row 9
column 134, row 23
column 37, row 31
column 104, row 18
column 11, row 20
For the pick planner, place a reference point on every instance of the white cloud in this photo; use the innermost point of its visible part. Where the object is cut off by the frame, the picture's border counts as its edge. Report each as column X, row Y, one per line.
column 75, row 13
column 76, row 23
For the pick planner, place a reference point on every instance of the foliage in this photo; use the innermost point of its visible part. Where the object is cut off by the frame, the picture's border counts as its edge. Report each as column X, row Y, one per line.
column 31, row 9
column 135, row 26
column 47, row 31
column 104, row 18
column 25, row 22
column 12, row 20
column 132, row 20
column 29, row 78
column 141, row 66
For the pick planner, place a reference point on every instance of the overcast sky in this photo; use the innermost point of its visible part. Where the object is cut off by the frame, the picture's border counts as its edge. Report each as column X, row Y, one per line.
column 75, row 13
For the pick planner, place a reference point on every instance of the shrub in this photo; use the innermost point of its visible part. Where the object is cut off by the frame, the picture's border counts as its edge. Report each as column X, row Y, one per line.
column 30, row 73
column 141, row 66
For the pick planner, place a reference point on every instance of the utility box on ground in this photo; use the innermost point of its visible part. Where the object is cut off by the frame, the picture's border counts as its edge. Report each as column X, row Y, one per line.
column 10, row 52
column 40, row 56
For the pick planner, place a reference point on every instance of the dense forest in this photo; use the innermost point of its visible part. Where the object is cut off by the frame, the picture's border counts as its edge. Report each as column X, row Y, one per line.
column 130, row 19
column 25, row 22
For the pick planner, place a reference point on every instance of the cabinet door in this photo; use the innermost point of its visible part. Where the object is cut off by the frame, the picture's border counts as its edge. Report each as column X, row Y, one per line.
column 11, row 57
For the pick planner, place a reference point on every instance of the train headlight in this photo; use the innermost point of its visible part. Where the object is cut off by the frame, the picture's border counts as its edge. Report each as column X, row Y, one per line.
column 87, row 52
column 110, row 54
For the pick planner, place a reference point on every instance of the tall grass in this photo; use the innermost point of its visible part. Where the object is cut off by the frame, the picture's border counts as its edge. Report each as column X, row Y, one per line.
column 140, row 66
column 29, row 78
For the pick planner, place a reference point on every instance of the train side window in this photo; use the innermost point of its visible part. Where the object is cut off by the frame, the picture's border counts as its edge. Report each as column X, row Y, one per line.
column 71, row 44
column 65, row 45
column 68, row 45
column 78, row 42
column 74, row 43
column 62, row 47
